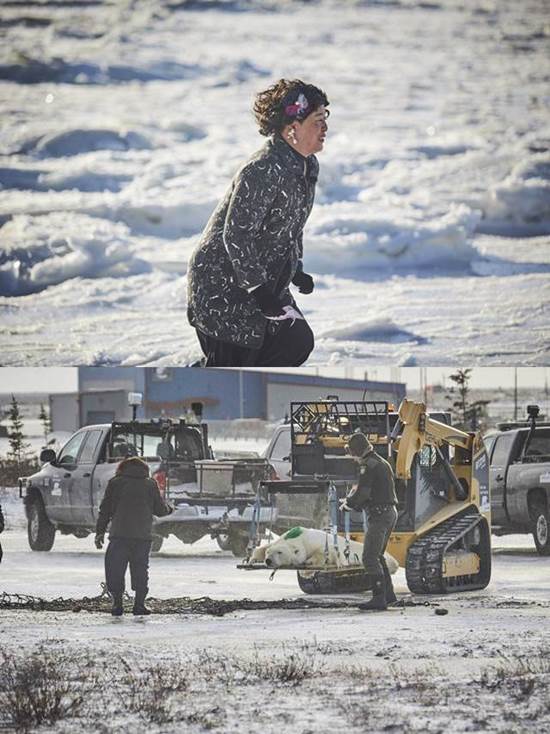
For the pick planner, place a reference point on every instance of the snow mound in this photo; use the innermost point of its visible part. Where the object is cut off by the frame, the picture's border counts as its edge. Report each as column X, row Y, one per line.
column 74, row 142
column 84, row 177
column 47, row 250
column 173, row 217
column 378, row 329
column 521, row 203
column 34, row 71
column 435, row 151
column 345, row 237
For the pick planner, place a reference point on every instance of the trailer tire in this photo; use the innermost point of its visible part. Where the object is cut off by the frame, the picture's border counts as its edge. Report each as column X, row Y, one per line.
column 156, row 543
column 224, row 542
column 238, row 544
column 40, row 531
column 541, row 529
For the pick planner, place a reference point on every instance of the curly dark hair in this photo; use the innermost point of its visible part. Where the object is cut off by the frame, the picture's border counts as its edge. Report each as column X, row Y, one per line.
column 271, row 105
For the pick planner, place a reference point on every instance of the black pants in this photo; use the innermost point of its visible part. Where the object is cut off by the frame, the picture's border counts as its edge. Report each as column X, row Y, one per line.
column 290, row 346
column 379, row 530
column 122, row 552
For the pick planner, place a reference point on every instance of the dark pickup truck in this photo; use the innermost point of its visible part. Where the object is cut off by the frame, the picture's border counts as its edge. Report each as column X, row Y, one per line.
column 208, row 496
column 520, row 479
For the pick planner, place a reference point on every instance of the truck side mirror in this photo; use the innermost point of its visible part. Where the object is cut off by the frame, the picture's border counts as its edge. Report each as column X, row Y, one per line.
column 47, row 456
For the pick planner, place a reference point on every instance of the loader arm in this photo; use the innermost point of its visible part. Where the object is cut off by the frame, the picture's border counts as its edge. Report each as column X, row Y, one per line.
column 420, row 430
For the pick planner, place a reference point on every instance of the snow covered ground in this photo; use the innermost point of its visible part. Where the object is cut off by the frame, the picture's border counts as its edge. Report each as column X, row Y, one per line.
column 122, row 124
column 483, row 666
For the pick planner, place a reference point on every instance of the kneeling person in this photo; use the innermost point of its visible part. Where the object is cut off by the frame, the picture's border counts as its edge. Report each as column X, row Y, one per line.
column 130, row 501
column 374, row 493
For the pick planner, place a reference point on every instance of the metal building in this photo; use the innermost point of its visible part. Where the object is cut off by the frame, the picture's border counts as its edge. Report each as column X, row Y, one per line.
column 225, row 393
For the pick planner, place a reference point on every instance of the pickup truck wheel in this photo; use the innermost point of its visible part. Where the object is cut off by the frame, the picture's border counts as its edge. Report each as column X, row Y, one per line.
column 541, row 530
column 40, row 531
column 156, row 543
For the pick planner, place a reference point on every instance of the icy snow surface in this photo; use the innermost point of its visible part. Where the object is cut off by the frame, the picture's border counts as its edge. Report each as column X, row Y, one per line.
column 123, row 123
column 507, row 621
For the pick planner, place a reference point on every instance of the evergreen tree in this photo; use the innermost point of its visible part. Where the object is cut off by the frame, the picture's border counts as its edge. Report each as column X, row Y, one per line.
column 470, row 416
column 15, row 436
column 458, row 395
column 46, row 423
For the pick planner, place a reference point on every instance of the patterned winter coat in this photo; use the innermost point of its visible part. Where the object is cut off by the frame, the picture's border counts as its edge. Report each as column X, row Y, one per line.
column 253, row 237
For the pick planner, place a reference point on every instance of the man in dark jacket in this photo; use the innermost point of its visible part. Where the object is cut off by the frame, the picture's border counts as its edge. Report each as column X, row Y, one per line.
column 374, row 493
column 130, row 501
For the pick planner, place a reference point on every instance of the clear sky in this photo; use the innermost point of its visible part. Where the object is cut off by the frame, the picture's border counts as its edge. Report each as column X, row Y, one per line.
column 64, row 379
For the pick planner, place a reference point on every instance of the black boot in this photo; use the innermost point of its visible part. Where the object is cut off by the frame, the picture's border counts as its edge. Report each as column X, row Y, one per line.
column 116, row 609
column 378, row 600
column 390, row 594
column 139, row 604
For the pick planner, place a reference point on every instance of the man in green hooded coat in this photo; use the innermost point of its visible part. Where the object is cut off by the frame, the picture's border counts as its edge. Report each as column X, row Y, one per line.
column 374, row 493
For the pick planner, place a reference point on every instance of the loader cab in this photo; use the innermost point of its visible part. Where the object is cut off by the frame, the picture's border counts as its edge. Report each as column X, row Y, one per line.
column 319, row 432
column 425, row 493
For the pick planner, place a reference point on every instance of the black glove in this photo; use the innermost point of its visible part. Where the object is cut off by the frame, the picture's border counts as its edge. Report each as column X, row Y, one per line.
column 98, row 540
column 304, row 281
column 268, row 303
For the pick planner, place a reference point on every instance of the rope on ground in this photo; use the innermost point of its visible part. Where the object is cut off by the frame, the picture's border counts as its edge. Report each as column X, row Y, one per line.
column 179, row 605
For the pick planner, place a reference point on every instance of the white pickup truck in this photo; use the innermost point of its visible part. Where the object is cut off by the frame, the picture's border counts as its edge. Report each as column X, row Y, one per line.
column 210, row 497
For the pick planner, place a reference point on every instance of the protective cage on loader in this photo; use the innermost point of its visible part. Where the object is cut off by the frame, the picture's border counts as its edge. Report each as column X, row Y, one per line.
column 442, row 535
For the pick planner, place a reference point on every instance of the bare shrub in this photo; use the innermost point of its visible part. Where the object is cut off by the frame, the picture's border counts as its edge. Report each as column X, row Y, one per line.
column 37, row 689
column 11, row 470
column 213, row 665
column 289, row 667
column 209, row 718
column 325, row 647
column 419, row 679
column 148, row 690
column 518, row 675
column 361, row 674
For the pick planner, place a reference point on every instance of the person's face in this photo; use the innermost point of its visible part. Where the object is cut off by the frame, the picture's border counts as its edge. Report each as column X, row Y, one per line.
column 311, row 133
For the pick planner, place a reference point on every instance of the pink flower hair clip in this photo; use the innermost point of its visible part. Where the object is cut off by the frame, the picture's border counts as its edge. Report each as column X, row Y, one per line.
column 299, row 108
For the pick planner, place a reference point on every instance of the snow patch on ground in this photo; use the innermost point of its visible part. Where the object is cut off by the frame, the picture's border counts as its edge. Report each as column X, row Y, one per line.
column 431, row 214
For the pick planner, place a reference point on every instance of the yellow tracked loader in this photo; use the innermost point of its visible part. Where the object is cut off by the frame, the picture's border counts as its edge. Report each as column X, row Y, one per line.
column 442, row 537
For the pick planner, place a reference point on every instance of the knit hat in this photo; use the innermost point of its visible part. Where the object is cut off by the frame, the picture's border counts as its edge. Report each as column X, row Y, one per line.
column 358, row 445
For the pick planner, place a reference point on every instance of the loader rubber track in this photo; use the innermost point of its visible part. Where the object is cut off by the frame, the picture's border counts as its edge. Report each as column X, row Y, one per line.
column 424, row 566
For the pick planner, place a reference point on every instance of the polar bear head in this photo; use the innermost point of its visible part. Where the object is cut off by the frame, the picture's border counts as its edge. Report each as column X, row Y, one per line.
column 289, row 550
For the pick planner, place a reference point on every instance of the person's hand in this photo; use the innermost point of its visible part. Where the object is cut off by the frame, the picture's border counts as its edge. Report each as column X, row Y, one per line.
column 304, row 281
column 268, row 303
column 344, row 505
column 98, row 540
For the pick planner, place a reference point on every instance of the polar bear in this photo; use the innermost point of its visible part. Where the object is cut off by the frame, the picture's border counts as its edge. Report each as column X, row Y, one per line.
column 306, row 547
